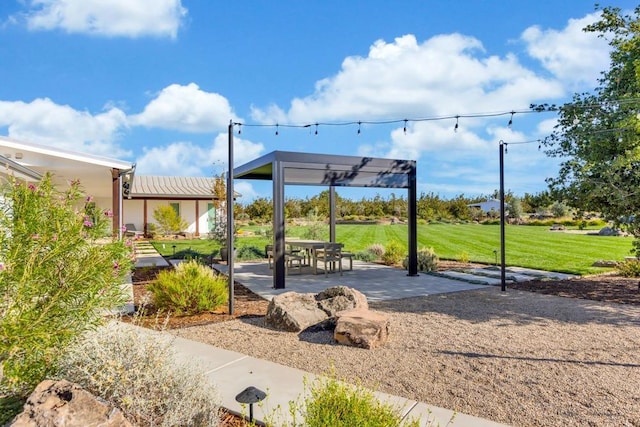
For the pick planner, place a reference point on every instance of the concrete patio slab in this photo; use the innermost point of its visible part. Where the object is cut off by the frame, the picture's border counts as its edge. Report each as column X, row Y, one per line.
column 377, row 282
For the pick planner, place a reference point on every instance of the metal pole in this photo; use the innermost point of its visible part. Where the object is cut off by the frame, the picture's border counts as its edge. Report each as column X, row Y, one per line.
column 502, row 250
column 230, row 243
column 332, row 214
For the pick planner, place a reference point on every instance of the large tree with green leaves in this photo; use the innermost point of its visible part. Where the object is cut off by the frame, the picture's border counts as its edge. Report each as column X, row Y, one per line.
column 598, row 133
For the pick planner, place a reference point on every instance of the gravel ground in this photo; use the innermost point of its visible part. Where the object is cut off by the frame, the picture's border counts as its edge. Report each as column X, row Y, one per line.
column 520, row 358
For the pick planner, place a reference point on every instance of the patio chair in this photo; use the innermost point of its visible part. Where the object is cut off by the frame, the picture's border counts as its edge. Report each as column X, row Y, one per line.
column 350, row 256
column 291, row 259
column 132, row 231
column 329, row 256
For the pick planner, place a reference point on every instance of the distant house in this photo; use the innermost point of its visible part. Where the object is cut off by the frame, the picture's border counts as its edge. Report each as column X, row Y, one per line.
column 489, row 205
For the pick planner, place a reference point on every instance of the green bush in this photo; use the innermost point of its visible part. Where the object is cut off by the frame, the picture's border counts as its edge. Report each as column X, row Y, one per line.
column 427, row 260
column 190, row 288
column 169, row 222
column 135, row 370
column 629, row 268
column 332, row 403
column 248, row 253
column 365, row 256
column 393, row 253
column 56, row 280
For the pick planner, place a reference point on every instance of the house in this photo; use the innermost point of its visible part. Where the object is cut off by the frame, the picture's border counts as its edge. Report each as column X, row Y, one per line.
column 191, row 197
column 113, row 184
column 488, row 205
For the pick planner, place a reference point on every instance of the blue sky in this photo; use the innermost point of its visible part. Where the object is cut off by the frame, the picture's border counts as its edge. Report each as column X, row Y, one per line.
column 157, row 82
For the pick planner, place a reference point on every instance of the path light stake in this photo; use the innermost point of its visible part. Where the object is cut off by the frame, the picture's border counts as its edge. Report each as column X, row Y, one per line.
column 250, row 395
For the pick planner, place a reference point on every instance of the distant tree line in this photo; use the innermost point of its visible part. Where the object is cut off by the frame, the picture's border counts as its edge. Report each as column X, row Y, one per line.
column 430, row 207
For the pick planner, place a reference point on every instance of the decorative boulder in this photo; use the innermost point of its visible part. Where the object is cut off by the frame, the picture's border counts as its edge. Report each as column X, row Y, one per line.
column 341, row 298
column 362, row 328
column 294, row 312
column 61, row 403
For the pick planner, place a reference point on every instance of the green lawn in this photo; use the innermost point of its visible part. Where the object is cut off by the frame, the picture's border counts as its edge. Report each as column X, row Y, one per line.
column 526, row 246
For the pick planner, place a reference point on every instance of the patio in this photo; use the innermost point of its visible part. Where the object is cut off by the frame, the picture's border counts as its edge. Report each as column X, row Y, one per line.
column 378, row 282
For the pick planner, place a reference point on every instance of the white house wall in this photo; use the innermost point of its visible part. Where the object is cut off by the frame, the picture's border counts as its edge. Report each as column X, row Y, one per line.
column 133, row 213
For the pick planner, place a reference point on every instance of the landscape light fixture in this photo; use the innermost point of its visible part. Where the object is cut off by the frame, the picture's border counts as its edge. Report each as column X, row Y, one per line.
column 250, row 395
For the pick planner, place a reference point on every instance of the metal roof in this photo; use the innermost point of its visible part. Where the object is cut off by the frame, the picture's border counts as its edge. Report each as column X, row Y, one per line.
column 331, row 170
column 172, row 187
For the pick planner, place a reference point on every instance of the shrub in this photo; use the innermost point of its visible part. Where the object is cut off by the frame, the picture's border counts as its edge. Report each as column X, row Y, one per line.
column 629, row 268
column 56, row 281
column 365, row 256
column 393, row 253
column 332, row 403
column 190, row 288
column 169, row 222
column 377, row 249
column 246, row 253
column 135, row 370
column 427, row 260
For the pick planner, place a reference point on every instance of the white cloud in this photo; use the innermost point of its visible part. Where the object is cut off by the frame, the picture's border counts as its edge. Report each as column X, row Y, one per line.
column 573, row 56
column 447, row 74
column 186, row 108
column 127, row 18
column 44, row 122
column 184, row 158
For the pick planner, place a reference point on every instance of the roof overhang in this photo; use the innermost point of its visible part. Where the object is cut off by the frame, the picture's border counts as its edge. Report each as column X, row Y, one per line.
column 94, row 172
column 329, row 170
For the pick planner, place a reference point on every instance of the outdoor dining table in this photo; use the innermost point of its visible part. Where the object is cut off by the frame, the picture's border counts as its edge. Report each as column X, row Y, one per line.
column 311, row 248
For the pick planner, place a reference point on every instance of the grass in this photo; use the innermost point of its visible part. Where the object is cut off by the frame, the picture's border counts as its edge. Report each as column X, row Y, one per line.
column 526, row 246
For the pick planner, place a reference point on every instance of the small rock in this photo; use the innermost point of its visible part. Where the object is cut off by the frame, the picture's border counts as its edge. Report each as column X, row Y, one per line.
column 362, row 328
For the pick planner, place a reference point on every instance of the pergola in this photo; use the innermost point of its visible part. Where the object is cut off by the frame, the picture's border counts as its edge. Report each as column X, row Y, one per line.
column 290, row 168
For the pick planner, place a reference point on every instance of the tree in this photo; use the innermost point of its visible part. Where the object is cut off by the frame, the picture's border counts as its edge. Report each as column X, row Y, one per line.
column 598, row 132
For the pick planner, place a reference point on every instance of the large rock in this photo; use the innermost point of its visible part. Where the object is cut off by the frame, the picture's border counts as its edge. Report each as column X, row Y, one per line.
column 362, row 328
column 294, row 312
column 341, row 298
column 61, row 403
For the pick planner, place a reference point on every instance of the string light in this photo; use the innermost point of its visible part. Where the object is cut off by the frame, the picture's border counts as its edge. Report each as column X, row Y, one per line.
column 542, row 108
